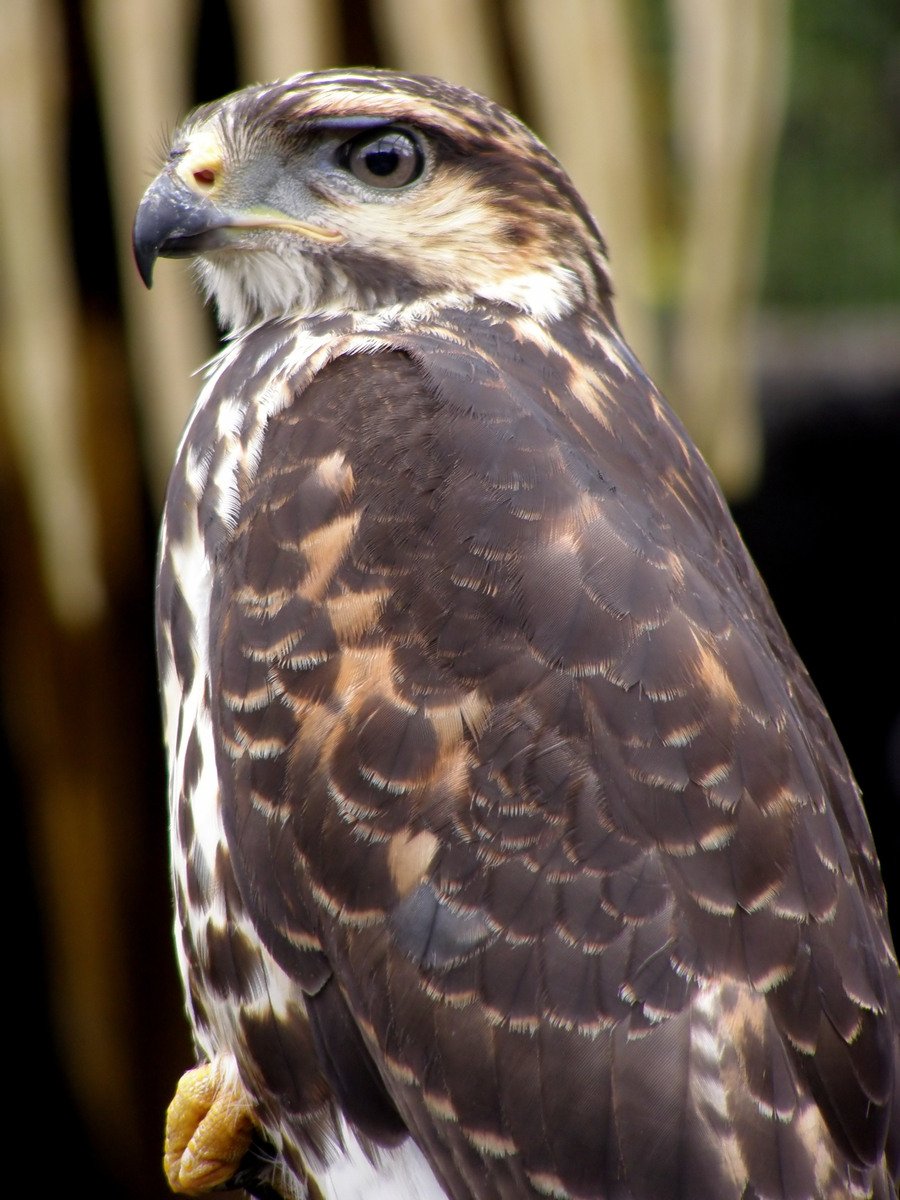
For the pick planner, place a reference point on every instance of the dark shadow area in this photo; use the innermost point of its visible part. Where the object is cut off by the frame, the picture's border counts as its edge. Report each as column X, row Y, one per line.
column 823, row 531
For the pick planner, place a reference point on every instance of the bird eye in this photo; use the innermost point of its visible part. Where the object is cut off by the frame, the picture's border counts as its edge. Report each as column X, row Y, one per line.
column 390, row 158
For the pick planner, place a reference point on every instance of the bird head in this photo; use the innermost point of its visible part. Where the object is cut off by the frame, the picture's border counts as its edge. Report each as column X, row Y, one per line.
column 355, row 190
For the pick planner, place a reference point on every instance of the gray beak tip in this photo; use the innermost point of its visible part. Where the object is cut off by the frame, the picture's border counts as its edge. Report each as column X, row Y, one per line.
column 145, row 259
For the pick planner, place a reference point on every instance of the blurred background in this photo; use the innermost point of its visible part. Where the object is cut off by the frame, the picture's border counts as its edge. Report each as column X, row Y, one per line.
column 744, row 163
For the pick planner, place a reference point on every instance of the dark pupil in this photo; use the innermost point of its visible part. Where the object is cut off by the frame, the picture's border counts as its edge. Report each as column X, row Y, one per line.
column 382, row 160
column 390, row 159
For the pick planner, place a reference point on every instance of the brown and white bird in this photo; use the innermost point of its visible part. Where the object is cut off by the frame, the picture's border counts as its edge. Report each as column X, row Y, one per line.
column 514, row 853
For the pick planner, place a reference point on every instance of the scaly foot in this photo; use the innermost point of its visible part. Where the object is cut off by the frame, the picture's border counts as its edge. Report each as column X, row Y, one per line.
column 209, row 1126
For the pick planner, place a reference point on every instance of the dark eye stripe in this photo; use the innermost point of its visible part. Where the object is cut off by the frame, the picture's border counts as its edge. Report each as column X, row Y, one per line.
column 389, row 158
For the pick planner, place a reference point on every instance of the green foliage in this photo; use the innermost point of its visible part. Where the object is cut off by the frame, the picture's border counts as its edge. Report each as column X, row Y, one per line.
column 835, row 220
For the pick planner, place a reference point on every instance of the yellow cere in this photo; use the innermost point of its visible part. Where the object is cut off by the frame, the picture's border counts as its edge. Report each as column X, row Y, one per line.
column 202, row 160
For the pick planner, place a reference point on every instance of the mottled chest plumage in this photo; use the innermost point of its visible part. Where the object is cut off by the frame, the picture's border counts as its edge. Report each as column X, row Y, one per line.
column 449, row 692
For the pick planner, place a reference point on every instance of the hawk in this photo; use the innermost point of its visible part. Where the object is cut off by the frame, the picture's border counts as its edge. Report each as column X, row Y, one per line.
column 514, row 854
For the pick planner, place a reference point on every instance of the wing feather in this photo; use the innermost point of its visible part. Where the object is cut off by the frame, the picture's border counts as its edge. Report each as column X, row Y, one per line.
column 508, row 728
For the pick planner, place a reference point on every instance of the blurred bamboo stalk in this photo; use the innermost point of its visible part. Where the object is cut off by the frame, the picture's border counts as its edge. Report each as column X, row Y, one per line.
column 277, row 38
column 455, row 41
column 40, row 364
column 730, row 69
column 581, row 67
column 82, row 865
column 49, row 689
column 142, row 54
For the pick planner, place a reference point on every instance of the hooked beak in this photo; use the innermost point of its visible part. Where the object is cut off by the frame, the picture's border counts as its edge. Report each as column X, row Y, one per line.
column 172, row 221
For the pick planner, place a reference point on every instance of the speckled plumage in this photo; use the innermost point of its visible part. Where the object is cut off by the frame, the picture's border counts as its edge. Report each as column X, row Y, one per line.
column 512, row 845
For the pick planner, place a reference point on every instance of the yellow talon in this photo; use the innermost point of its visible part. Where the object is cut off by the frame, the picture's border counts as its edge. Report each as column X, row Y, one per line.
column 209, row 1125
